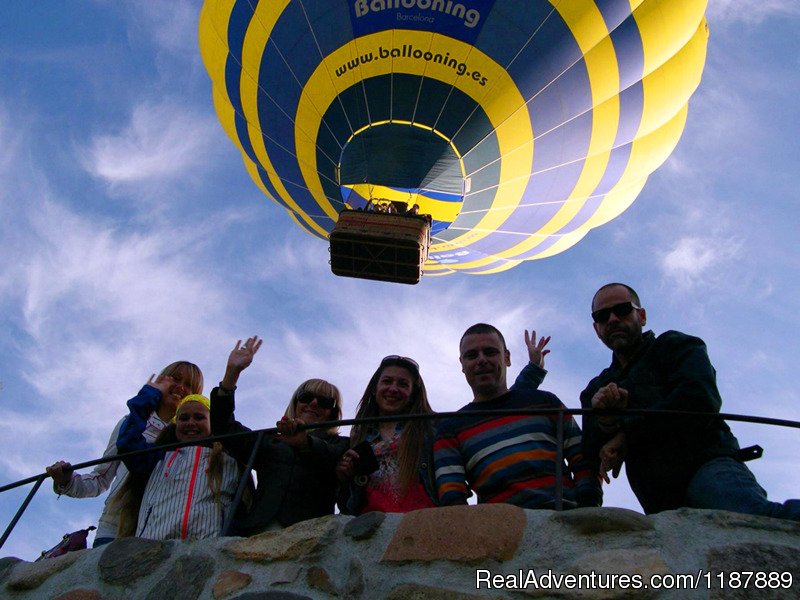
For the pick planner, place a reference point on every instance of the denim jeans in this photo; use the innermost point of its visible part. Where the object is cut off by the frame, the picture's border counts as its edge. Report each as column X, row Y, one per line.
column 726, row 484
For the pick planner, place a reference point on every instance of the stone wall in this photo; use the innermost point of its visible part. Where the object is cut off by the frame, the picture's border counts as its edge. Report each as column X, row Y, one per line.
column 442, row 553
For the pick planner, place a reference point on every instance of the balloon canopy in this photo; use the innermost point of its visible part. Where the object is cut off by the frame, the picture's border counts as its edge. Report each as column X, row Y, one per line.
column 518, row 125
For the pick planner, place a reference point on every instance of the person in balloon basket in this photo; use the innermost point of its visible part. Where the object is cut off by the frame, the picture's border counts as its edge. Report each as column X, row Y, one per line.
column 510, row 458
column 175, row 381
column 295, row 467
column 670, row 462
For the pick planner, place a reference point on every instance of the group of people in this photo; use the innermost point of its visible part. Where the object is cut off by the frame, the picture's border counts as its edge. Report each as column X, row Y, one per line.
column 393, row 463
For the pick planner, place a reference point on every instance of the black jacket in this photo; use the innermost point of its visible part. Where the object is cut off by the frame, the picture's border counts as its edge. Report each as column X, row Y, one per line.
column 670, row 372
column 293, row 485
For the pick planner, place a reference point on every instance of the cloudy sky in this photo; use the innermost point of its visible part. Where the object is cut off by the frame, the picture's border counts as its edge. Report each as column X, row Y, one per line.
column 131, row 236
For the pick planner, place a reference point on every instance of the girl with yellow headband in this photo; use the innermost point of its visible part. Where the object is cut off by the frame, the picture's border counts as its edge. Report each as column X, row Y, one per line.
column 180, row 494
column 175, row 381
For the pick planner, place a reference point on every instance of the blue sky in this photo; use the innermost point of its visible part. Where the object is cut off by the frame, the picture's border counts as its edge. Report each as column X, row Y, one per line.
column 131, row 236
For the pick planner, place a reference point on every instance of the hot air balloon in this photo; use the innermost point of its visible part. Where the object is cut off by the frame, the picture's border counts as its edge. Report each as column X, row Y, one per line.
column 516, row 125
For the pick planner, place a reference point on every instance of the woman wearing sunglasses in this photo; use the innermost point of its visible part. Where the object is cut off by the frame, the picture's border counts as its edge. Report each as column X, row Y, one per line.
column 400, row 477
column 295, row 469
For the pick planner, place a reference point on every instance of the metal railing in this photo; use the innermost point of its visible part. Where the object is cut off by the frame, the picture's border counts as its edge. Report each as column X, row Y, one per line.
column 258, row 434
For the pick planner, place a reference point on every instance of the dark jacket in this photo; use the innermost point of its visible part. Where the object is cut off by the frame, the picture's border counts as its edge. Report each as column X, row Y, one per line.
column 669, row 372
column 293, row 485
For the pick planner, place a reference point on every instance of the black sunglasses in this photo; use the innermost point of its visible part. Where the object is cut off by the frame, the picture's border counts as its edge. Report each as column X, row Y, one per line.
column 325, row 402
column 623, row 309
column 393, row 357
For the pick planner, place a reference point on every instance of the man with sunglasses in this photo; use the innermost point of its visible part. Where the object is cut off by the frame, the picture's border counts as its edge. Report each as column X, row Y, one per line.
column 670, row 461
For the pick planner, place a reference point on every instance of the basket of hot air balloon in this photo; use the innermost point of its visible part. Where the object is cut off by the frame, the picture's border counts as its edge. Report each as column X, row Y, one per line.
column 516, row 125
column 383, row 245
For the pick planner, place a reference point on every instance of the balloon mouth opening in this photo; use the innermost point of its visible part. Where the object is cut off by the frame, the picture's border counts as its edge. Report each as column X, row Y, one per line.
column 407, row 163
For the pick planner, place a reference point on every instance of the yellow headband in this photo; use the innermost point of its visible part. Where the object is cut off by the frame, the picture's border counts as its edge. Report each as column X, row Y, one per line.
column 192, row 398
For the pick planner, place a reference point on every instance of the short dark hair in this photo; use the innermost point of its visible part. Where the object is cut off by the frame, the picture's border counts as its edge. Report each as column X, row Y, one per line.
column 634, row 295
column 483, row 328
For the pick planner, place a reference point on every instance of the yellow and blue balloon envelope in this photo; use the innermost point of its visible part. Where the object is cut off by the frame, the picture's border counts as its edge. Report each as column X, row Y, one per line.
column 518, row 125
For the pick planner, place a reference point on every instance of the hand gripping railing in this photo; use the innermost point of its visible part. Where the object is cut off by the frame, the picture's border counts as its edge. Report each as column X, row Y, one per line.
column 258, row 434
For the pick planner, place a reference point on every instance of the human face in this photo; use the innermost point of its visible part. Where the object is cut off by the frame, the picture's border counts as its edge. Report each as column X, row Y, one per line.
column 484, row 359
column 393, row 392
column 311, row 412
column 192, row 422
column 181, row 388
column 621, row 334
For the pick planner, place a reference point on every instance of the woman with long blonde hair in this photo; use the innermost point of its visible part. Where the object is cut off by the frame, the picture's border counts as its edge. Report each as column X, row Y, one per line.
column 295, row 468
column 180, row 379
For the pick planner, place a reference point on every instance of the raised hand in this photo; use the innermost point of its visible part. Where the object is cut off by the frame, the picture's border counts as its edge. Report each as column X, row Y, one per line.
column 536, row 348
column 239, row 359
column 163, row 383
column 242, row 354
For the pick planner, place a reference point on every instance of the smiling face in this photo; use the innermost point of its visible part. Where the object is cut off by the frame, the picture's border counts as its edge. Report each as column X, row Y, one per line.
column 182, row 387
column 193, row 422
column 484, row 359
column 393, row 390
column 622, row 334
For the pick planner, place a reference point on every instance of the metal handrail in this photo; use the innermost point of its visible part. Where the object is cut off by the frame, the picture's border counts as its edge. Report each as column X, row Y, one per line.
column 259, row 433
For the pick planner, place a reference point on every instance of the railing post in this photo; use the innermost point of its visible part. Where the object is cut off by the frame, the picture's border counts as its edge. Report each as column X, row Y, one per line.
column 559, row 505
column 22, row 508
column 226, row 525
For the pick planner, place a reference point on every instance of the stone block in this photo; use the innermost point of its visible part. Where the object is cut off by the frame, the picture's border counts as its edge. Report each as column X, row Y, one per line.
column 755, row 558
column 593, row 521
column 319, row 579
column 127, row 559
column 29, row 576
column 365, row 526
column 458, row 533
column 6, row 565
column 416, row 591
column 271, row 595
column 229, row 582
column 79, row 594
column 284, row 573
column 298, row 541
column 185, row 580
column 354, row 586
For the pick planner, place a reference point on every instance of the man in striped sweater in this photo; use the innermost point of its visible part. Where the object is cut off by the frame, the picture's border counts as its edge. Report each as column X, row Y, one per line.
column 509, row 458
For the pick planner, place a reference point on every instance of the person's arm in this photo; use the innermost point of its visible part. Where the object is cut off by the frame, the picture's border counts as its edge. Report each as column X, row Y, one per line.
column 97, row 481
column 131, row 432
column 588, row 490
column 223, row 421
column 223, row 401
column 451, row 481
column 532, row 375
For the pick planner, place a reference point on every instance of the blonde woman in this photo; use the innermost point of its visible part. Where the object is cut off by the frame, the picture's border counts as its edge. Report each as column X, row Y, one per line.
column 295, row 469
column 180, row 379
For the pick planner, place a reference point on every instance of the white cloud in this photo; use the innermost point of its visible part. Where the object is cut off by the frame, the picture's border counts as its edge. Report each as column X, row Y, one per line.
column 697, row 259
column 171, row 23
column 160, row 141
column 751, row 11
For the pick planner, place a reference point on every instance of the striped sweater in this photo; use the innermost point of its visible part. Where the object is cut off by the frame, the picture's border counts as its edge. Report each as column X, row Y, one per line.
column 511, row 458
